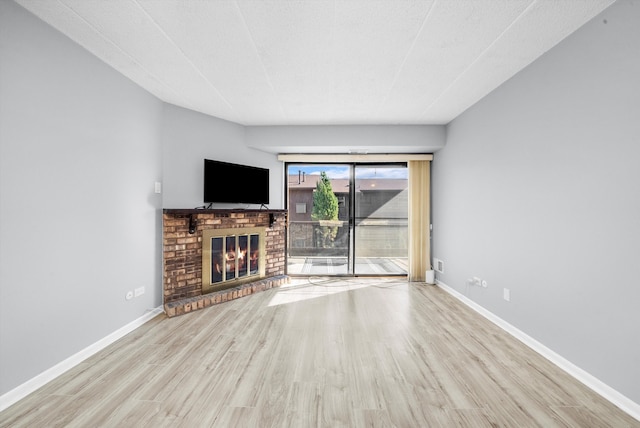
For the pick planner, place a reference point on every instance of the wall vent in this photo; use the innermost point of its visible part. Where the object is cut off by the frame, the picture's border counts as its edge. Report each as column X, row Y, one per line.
column 438, row 265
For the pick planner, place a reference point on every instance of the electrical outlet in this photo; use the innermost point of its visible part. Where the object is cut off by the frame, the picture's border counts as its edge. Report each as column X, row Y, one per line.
column 139, row 291
column 506, row 294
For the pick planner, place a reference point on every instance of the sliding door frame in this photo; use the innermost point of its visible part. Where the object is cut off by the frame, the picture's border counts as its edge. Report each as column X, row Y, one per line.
column 418, row 262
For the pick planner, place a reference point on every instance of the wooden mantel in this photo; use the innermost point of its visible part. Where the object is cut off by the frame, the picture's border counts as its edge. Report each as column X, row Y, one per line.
column 189, row 211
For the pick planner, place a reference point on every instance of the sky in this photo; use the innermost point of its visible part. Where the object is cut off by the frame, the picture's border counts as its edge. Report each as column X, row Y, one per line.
column 342, row 171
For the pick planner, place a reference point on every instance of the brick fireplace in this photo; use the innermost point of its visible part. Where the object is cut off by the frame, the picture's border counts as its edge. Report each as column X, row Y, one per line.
column 190, row 278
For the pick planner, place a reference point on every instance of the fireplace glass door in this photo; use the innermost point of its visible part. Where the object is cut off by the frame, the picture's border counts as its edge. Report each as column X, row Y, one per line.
column 239, row 257
column 229, row 255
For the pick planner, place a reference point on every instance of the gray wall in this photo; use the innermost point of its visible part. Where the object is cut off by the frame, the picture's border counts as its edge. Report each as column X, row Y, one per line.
column 79, row 219
column 537, row 191
column 188, row 138
column 360, row 138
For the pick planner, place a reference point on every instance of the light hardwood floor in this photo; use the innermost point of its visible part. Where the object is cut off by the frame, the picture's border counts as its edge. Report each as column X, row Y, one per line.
column 319, row 353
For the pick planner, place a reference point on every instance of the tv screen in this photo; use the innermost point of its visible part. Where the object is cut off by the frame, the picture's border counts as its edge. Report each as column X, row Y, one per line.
column 233, row 183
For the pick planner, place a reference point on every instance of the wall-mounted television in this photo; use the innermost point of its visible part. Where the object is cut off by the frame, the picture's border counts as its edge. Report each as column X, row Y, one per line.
column 226, row 182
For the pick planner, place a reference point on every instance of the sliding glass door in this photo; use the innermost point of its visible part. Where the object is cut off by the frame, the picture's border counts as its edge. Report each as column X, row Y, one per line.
column 318, row 232
column 381, row 220
column 347, row 219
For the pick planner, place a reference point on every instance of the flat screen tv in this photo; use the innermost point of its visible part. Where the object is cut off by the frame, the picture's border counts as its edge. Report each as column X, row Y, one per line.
column 226, row 182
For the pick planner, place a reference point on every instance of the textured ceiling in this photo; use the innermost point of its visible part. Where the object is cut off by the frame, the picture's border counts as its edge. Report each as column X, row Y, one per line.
column 318, row 61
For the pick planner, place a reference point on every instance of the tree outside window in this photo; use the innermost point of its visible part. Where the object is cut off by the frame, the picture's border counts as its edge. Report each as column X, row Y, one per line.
column 325, row 211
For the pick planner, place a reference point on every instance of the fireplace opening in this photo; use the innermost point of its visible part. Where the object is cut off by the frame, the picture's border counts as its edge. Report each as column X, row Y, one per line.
column 231, row 257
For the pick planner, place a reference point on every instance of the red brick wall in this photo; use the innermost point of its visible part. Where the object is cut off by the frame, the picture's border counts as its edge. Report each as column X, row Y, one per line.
column 182, row 251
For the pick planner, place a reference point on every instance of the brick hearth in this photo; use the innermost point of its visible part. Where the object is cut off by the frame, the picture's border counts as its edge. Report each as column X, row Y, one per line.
column 182, row 255
column 183, row 306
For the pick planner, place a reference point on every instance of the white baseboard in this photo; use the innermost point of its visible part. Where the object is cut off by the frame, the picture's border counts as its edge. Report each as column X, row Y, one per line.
column 627, row 405
column 48, row 375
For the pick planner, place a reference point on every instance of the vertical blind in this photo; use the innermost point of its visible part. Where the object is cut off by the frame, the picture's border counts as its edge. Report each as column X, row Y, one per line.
column 419, row 219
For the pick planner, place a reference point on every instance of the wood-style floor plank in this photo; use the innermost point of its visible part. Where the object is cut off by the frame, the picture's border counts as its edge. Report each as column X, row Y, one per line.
column 319, row 352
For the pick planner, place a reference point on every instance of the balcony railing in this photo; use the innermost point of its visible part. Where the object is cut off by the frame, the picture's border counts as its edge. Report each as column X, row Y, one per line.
column 380, row 237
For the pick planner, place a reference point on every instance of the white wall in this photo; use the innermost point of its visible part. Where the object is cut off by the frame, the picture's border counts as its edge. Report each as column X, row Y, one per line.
column 190, row 137
column 79, row 220
column 537, row 191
